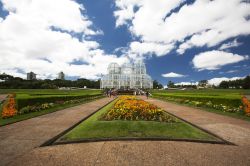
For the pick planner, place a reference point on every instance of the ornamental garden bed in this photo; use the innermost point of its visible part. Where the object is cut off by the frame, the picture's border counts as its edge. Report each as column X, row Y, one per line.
column 131, row 118
column 225, row 102
column 29, row 104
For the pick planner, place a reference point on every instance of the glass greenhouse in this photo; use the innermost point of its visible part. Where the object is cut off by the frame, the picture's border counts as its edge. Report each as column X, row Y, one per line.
column 132, row 76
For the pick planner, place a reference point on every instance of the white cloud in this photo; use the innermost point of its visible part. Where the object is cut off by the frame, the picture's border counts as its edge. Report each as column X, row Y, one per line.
column 150, row 48
column 172, row 75
column 187, row 83
column 217, row 81
column 37, row 36
column 213, row 60
column 234, row 43
column 202, row 23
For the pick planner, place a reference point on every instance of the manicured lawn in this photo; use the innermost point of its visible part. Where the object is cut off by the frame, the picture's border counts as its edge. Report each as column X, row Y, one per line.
column 25, row 97
column 39, row 113
column 47, row 91
column 93, row 128
column 227, row 97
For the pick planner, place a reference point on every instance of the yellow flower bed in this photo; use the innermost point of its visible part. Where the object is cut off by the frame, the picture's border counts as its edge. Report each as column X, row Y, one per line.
column 130, row 108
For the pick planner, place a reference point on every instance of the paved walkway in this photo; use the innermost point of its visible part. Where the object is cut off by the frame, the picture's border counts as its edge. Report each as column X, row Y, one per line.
column 137, row 153
column 154, row 152
column 231, row 129
column 19, row 138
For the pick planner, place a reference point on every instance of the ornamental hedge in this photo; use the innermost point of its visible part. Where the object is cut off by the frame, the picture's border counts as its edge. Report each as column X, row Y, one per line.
column 232, row 102
column 23, row 102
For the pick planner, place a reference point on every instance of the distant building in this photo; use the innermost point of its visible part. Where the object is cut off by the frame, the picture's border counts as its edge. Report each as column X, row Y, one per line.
column 129, row 75
column 31, row 76
column 61, row 76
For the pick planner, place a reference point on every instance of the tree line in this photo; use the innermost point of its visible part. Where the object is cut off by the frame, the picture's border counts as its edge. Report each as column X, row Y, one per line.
column 236, row 84
column 239, row 83
column 10, row 82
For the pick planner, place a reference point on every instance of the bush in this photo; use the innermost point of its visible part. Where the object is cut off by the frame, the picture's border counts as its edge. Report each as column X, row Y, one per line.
column 23, row 102
column 232, row 102
column 226, row 105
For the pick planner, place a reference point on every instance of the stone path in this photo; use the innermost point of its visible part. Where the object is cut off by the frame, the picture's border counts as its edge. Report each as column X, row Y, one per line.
column 231, row 129
column 19, row 138
column 154, row 152
column 137, row 153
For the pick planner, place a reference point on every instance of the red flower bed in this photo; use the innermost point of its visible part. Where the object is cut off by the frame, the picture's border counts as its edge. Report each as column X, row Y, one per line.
column 130, row 108
column 9, row 107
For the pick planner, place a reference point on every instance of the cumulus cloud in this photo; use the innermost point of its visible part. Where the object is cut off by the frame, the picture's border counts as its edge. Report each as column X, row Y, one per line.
column 202, row 23
column 187, row 83
column 172, row 75
column 217, row 81
column 213, row 60
column 141, row 48
column 40, row 36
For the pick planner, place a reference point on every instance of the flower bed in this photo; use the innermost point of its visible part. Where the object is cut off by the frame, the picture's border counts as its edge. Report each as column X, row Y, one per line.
column 41, row 99
column 44, row 106
column 215, row 103
column 9, row 107
column 246, row 104
column 130, row 108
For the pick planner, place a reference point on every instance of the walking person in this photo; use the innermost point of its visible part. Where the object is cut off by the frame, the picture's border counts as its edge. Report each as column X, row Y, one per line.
column 147, row 94
column 110, row 93
column 107, row 92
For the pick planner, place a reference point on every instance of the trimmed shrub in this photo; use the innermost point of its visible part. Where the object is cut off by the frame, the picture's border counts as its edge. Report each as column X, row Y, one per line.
column 232, row 102
column 23, row 102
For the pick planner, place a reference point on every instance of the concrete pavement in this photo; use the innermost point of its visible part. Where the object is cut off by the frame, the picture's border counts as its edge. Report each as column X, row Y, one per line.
column 144, row 152
column 231, row 129
column 19, row 138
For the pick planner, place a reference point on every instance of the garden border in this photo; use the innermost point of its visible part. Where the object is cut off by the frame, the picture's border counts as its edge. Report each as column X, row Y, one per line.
column 204, row 109
column 55, row 138
column 101, row 96
column 54, row 141
column 205, row 130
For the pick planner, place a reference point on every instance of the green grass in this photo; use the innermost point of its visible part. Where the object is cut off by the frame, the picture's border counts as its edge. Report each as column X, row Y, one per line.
column 226, row 97
column 46, row 91
column 230, row 97
column 26, row 97
column 39, row 113
column 238, row 115
column 93, row 128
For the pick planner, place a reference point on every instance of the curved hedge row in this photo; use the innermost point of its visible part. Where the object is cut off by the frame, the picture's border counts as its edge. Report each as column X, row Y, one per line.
column 232, row 102
column 22, row 102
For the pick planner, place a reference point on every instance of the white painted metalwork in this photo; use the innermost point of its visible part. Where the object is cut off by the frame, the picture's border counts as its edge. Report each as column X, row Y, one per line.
column 129, row 75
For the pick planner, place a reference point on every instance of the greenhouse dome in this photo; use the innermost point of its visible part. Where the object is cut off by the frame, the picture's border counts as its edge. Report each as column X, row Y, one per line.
column 128, row 75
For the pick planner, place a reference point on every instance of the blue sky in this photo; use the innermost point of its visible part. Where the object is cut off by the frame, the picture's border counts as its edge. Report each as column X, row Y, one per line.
column 181, row 41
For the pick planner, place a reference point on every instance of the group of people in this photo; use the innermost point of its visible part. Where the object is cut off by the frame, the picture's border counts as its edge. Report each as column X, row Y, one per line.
column 113, row 93
column 140, row 92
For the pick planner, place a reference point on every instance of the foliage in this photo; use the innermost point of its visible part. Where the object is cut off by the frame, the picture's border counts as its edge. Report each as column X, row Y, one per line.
column 171, row 84
column 94, row 128
column 11, row 82
column 246, row 104
column 231, row 98
column 130, row 108
column 239, row 83
column 9, row 107
column 203, row 83
column 42, row 111
column 157, row 85
column 40, row 99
